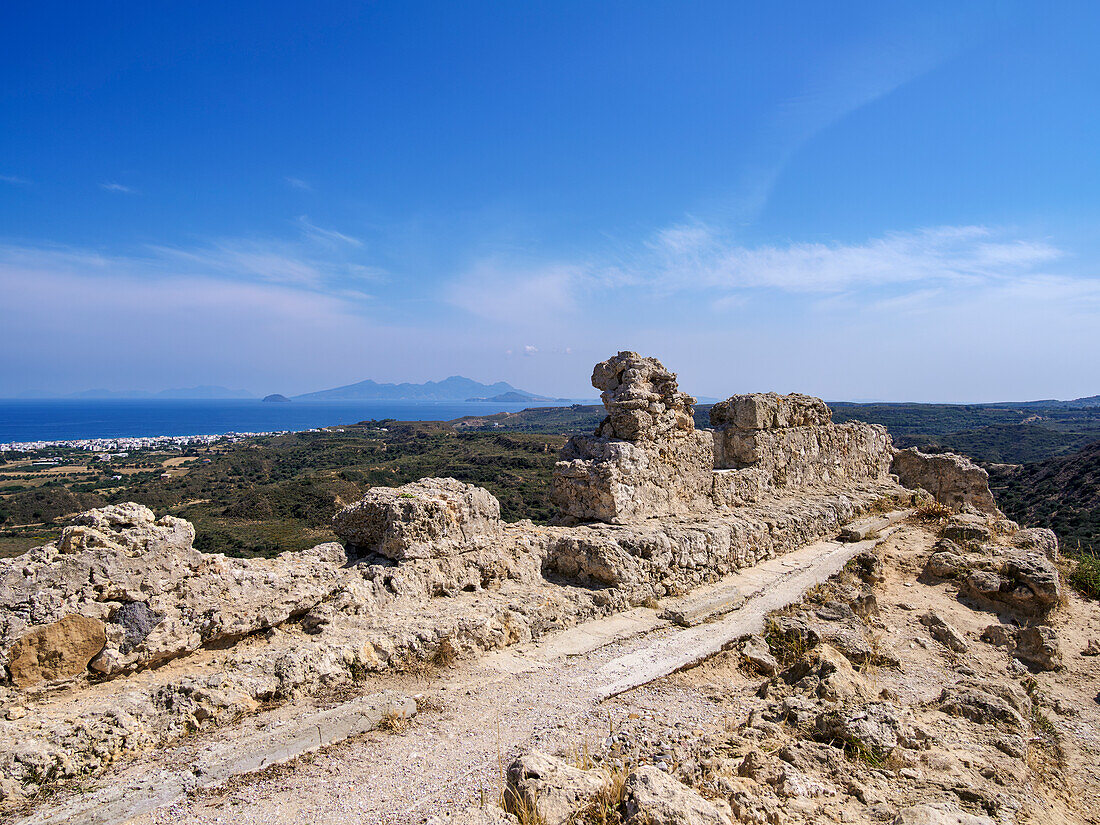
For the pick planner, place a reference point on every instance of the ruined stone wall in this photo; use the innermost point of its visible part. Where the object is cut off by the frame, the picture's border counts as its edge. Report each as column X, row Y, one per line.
column 766, row 442
column 646, row 460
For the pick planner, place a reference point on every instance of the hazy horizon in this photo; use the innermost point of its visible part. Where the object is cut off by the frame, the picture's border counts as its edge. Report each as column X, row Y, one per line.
column 894, row 202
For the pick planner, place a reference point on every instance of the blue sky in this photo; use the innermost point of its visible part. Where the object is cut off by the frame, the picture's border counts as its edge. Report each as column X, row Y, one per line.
column 857, row 200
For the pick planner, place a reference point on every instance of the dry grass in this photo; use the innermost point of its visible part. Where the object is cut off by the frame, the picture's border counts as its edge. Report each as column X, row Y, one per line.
column 932, row 510
column 394, row 722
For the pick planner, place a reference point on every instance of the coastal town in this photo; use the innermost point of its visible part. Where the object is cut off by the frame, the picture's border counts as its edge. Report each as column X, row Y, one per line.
column 133, row 443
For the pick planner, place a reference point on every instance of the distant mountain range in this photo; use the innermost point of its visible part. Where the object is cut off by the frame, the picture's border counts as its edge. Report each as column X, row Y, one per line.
column 177, row 393
column 1089, row 401
column 455, row 388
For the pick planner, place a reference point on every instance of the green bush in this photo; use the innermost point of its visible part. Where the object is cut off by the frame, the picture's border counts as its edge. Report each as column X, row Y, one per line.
column 1086, row 574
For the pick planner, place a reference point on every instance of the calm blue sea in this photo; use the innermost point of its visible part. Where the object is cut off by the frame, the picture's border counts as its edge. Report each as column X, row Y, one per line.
column 62, row 420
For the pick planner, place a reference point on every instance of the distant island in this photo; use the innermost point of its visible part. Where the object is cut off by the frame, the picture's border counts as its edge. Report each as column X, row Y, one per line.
column 455, row 388
column 276, row 398
column 514, row 397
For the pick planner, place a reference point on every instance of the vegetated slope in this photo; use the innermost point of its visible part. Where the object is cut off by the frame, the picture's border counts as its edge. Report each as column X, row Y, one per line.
column 987, row 433
column 1060, row 493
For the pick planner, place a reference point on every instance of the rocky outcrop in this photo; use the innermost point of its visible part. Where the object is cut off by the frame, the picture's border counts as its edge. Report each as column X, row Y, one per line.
column 952, row 479
column 430, row 518
column 134, row 588
column 548, row 790
column 653, row 797
column 1025, row 582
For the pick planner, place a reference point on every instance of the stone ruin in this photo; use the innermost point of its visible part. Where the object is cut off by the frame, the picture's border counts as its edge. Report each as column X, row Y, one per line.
column 647, row 460
column 650, row 506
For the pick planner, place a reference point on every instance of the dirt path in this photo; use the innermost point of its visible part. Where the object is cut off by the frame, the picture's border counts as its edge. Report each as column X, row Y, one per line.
column 451, row 754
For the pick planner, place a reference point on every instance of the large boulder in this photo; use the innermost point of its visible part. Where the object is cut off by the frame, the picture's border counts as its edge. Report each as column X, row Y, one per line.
column 652, row 797
column 429, row 518
column 548, row 790
column 1027, row 582
column 953, row 480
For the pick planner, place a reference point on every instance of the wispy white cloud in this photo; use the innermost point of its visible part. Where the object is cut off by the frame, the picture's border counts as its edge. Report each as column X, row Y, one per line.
column 14, row 180
column 112, row 186
column 327, row 236
column 697, row 257
column 298, row 183
column 695, row 261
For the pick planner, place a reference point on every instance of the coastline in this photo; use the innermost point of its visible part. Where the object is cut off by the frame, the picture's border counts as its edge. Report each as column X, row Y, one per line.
column 131, row 443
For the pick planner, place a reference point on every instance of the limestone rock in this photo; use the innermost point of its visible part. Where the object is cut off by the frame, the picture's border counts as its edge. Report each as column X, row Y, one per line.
column 769, row 411
column 938, row 813
column 756, row 653
column 1027, row 581
column 875, row 727
column 1039, row 539
column 642, row 399
column 551, row 788
column 151, row 593
column 652, row 797
column 943, row 632
column 945, row 564
column 952, row 479
column 429, row 518
column 55, row 652
column 621, row 482
column 986, row 704
column 1037, row 647
column 967, row 527
column 1000, row 635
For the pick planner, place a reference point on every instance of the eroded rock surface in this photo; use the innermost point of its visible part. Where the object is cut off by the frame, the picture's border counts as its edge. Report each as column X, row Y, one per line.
column 429, row 518
column 146, row 591
column 953, row 479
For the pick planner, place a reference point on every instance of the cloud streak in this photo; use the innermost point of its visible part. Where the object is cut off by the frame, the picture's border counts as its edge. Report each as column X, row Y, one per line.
column 694, row 261
column 111, row 186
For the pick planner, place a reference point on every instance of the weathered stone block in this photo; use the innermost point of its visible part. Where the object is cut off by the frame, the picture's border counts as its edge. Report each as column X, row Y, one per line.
column 430, row 518
column 56, row 651
column 769, row 411
column 952, row 479
column 642, row 399
column 601, row 479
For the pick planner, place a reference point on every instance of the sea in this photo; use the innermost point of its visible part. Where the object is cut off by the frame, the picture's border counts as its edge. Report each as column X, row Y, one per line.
column 72, row 419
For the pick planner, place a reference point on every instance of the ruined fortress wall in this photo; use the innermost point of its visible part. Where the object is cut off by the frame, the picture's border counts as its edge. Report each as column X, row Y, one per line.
column 648, row 461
